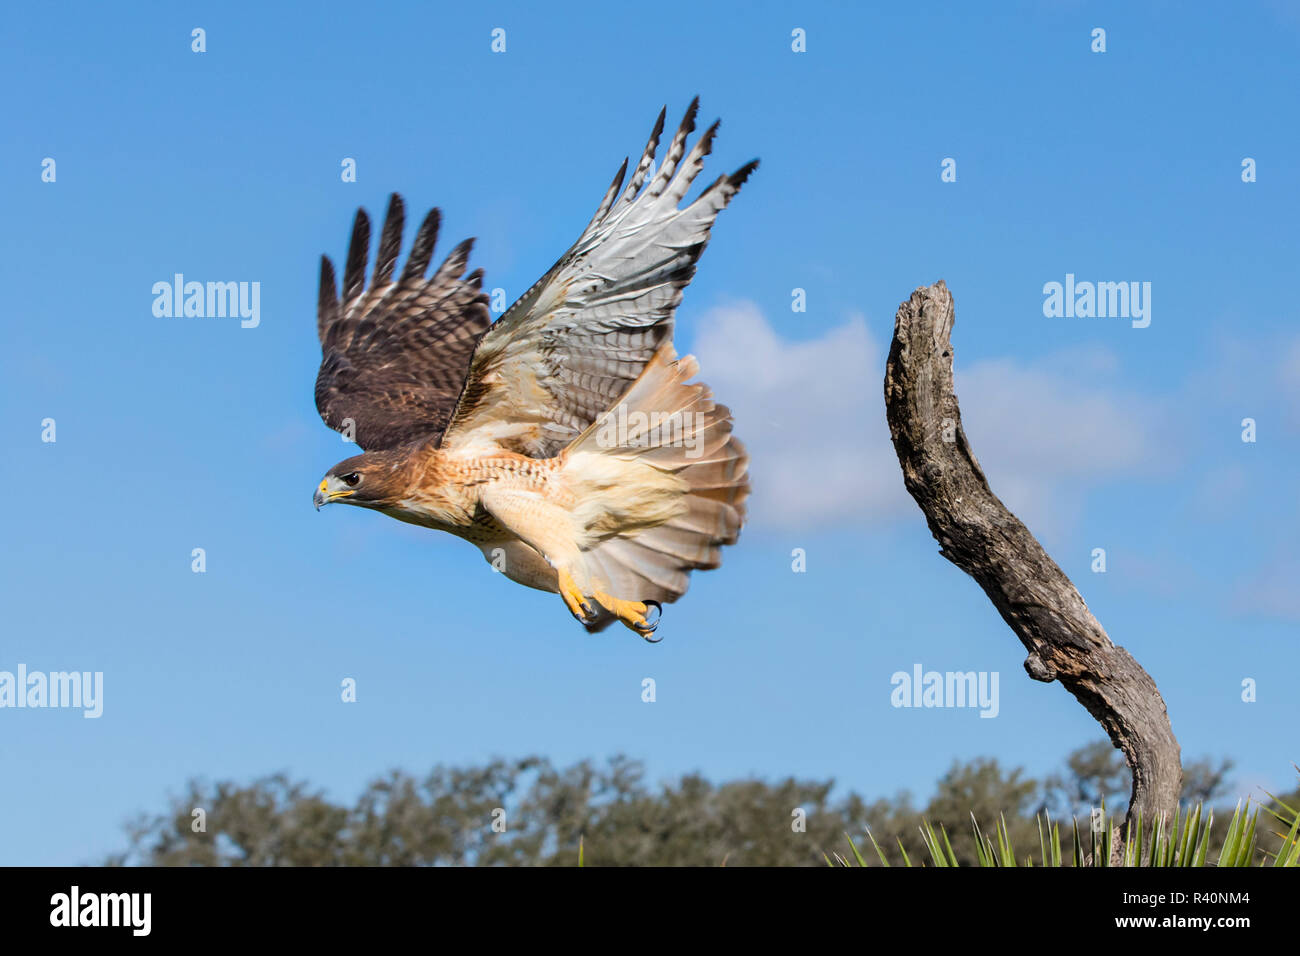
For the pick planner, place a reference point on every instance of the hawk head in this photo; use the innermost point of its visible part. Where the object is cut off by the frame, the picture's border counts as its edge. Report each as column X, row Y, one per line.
column 375, row 479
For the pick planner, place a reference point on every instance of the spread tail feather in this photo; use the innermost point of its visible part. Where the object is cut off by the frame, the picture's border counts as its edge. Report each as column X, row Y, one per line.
column 662, row 485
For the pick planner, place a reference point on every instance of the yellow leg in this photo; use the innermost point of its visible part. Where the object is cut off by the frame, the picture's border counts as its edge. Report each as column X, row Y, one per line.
column 573, row 597
column 631, row 613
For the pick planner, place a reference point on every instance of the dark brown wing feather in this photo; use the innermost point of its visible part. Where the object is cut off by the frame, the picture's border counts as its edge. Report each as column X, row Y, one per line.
column 394, row 356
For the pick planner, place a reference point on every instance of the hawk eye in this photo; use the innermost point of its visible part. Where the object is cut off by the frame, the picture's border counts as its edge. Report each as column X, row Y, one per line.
column 352, row 479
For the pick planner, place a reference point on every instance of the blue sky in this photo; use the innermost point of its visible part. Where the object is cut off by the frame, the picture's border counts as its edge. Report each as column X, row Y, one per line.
column 183, row 433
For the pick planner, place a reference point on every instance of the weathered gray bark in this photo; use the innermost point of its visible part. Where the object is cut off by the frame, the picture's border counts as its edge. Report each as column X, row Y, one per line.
column 979, row 535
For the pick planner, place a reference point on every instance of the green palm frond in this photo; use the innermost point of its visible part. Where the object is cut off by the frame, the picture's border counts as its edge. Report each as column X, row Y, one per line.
column 1182, row 839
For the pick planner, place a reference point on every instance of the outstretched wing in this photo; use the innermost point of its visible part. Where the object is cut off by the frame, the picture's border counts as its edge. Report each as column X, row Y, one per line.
column 394, row 356
column 575, row 342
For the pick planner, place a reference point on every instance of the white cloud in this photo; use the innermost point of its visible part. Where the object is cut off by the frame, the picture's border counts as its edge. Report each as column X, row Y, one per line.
column 1047, row 430
column 812, row 414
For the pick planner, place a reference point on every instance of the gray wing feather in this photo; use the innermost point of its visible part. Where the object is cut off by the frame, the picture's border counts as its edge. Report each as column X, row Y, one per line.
column 573, row 344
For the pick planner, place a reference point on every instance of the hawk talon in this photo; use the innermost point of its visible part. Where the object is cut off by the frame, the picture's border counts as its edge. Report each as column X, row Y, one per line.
column 633, row 614
column 575, row 600
column 584, row 615
column 647, row 627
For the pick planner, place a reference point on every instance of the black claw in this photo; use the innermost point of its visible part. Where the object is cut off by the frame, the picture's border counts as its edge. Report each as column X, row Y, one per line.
column 588, row 617
column 648, row 628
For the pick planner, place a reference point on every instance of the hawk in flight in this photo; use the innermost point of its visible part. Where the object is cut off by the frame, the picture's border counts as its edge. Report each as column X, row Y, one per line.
column 565, row 440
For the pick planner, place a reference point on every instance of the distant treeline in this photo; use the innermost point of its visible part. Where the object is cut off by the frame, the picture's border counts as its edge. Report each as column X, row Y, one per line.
column 528, row 812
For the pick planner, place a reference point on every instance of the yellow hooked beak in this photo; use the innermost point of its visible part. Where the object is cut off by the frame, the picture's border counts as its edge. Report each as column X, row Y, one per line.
column 324, row 494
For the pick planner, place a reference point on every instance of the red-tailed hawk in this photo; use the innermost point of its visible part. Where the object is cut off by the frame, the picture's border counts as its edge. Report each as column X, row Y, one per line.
column 564, row 440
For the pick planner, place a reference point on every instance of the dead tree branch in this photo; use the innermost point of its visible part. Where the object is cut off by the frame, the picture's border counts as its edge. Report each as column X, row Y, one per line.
column 979, row 535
